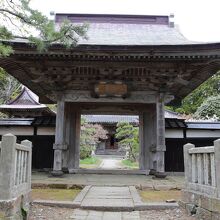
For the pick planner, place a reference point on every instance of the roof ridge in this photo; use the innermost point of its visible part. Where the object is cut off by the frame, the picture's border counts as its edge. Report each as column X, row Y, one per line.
column 24, row 91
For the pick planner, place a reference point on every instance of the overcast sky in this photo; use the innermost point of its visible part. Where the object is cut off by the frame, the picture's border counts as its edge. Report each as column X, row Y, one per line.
column 198, row 19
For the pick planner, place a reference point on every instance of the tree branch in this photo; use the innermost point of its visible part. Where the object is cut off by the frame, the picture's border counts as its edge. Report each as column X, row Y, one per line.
column 16, row 15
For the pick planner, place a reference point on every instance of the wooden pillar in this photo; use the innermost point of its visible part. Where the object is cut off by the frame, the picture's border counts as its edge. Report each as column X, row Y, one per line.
column 159, row 162
column 74, row 140
column 65, row 151
column 146, row 138
column 60, row 143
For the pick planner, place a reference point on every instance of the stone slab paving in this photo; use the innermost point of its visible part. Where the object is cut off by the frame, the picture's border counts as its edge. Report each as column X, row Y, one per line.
column 108, row 163
column 80, row 214
column 140, row 181
column 108, row 198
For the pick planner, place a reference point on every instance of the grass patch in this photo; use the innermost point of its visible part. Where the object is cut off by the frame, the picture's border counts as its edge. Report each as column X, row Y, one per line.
column 55, row 194
column 91, row 162
column 129, row 164
column 159, row 196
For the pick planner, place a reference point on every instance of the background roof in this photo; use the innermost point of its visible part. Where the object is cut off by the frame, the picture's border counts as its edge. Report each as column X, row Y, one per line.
column 127, row 29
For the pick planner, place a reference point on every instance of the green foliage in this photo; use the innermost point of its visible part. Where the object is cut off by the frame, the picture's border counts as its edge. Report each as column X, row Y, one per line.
column 85, row 151
column 86, row 146
column 19, row 20
column 90, row 160
column 128, row 136
column 210, row 108
column 191, row 103
column 89, row 137
column 130, row 164
column 24, row 213
column 9, row 87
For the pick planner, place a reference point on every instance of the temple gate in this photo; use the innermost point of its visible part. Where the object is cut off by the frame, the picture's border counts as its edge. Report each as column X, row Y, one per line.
column 128, row 65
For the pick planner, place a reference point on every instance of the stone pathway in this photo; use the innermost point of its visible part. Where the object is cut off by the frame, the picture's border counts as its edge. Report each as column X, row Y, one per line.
column 107, row 198
column 110, row 164
column 97, row 215
column 107, row 203
column 113, row 198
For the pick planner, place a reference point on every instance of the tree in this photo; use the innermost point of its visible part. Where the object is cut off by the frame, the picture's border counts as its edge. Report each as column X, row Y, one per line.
column 89, row 137
column 191, row 103
column 9, row 87
column 19, row 20
column 128, row 136
column 210, row 108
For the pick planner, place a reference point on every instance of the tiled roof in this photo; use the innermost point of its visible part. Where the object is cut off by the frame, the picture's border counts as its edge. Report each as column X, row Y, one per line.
column 127, row 30
column 16, row 122
column 122, row 118
column 25, row 101
column 111, row 118
column 51, row 121
column 203, row 125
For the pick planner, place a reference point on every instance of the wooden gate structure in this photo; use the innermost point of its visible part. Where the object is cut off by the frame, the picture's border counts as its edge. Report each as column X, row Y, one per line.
column 128, row 65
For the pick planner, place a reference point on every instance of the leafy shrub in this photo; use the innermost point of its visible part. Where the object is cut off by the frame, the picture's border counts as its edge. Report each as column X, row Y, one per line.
column 210, row 108
column 85, row 152
column 128, row 136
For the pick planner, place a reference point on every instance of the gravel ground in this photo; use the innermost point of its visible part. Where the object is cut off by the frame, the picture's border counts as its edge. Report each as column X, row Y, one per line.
column 165, row 215
column 39, row 212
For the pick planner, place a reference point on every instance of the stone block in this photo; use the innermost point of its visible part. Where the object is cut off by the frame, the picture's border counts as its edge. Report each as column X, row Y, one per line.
column 12, row 209
column 205, row 202
column 190, row 209
column 182, row 204
column 215, row 205
column 190, row 197
column 203, row 214
column 215, row 216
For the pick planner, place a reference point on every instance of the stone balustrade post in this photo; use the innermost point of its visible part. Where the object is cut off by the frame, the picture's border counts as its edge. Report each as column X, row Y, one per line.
column 28, row 144
column 7, row 166
column 217, row 165
column 188, row 162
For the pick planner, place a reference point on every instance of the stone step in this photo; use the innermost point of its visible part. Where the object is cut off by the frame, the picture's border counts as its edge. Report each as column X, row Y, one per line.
column 110, row 152
column 110, row 171
column 108, row 198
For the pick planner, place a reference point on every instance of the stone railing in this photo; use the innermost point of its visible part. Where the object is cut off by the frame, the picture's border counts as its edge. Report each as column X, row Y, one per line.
column 15, row 173
column 202, row 179
column 201, row 168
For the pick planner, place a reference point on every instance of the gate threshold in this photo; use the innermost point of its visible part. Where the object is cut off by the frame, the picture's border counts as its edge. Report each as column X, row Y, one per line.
column 110, row 171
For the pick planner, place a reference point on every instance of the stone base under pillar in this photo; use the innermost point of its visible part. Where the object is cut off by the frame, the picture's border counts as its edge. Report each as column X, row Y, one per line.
column 57, row 173
column 15, row 208
column 201, row 205
column 160, row 175
column 152, row 172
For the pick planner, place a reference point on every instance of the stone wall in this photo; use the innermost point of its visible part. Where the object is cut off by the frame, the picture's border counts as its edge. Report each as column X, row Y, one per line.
column 201, row 195
column 15, row 178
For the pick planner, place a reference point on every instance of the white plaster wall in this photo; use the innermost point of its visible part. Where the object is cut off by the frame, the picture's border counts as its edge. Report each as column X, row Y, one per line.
column 45, row 131
column 17, row 130
column 203, row 133
column 171, row 133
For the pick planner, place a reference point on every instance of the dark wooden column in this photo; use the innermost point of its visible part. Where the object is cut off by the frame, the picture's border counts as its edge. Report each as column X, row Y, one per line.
column 73, row 156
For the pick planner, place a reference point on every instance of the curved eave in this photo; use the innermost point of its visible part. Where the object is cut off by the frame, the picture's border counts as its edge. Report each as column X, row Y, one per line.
column 45, row 110
column 194, row 48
